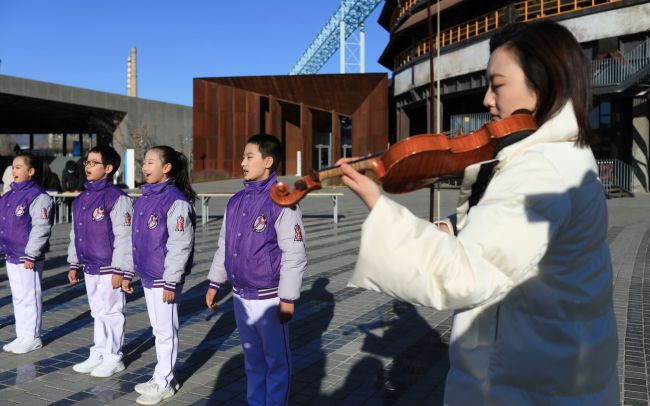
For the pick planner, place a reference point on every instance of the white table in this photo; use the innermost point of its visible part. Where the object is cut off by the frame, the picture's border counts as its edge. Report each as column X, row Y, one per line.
column 61, row 201
column 205, row 200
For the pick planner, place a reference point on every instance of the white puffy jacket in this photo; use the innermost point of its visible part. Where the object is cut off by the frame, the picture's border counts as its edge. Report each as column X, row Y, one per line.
column 529, row 275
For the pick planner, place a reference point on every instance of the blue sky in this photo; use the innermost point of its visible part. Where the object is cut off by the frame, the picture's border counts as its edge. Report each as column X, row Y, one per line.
column 86, row 43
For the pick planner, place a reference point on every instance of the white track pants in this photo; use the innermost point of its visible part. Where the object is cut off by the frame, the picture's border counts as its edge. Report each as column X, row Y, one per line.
column 107, row 309
column 267, row 357
column 26, row 295
column 164, row 323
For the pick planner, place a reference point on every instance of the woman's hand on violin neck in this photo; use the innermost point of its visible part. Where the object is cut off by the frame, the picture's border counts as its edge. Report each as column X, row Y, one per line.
column 342, row 161
column 362, row 185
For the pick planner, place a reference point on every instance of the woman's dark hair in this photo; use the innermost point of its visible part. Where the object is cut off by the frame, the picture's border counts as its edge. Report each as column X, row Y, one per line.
column 35, row 162
column 555, row 67
column 109, row 157
column 269, row 146
column 180, row 169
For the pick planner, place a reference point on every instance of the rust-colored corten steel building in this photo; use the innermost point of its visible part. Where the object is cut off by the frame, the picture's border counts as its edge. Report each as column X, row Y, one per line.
column 318, row 118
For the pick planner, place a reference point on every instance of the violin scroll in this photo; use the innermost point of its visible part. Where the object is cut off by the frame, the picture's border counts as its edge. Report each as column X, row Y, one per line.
column 281, row 195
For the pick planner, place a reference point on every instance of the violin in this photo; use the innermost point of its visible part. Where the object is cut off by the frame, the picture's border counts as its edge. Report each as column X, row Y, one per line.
column 416, row 162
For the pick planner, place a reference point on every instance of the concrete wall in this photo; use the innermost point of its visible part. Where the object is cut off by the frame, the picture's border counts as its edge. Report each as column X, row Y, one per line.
column 147, row 122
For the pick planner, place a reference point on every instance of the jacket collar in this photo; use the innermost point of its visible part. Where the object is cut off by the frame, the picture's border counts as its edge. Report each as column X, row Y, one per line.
column 23, row 185
column 260, row 186
column 156, row 188
column 97, row 185
column 563, row 127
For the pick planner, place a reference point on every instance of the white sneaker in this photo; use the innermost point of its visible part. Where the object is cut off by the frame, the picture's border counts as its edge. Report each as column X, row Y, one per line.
column 107, row 368
column 88, row 365
column 146, row 387
column 151, row 385
column 26, row 345
column 8, row 347
column 155, row 394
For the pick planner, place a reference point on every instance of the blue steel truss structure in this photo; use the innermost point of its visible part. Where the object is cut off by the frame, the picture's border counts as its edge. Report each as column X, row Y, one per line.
column 327, row 42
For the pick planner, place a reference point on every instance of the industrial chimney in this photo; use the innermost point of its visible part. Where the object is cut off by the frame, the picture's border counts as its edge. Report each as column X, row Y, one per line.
column 131, row 75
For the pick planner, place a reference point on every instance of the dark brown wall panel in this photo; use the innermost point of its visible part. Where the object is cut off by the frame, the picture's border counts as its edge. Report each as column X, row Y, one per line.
column 199, row 94
column 306, row 133
column 370, row 122
column 239, row 129
column 336, row 137
column 274, row 124
column 292, row 144
column 253, row 114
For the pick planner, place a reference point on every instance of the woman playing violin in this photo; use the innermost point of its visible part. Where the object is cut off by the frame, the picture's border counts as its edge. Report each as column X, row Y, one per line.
column 526, row 265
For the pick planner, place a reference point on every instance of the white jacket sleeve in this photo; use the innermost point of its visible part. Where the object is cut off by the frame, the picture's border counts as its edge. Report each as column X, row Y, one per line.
column 42, row 216
column 217, row 275
column 73, row 259
column 121, row 216
column 180, row 242
column 291, row 240
column 505, row 236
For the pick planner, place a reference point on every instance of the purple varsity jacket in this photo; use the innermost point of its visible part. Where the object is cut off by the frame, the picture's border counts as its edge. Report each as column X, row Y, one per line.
column 163, row 236
column 25, row 222
column 94, row 228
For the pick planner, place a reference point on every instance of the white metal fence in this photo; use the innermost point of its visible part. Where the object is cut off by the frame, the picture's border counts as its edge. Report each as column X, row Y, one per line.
column 466, row 123
column 615, row 175
column 614, row 71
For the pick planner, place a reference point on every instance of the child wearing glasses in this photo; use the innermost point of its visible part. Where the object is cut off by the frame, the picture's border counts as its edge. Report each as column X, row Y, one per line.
column 163, row 250
column 25, row 225
column 100, row 245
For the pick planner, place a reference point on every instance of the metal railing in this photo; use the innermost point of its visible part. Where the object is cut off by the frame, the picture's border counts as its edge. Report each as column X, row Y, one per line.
column 615, row 175
column 466, row 123
column 452, row 35
column 528, row 10
column 614, row 71
column 534, row 9
column 402, row 9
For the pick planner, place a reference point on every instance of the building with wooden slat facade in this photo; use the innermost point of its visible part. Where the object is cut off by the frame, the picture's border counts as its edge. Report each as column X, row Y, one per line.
column 318, row 118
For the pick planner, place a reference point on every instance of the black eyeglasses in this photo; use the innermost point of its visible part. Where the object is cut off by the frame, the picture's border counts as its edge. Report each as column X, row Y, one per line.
column 93, row 163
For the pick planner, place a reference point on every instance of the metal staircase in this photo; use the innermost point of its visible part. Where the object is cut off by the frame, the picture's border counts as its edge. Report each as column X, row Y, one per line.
column 615, row 75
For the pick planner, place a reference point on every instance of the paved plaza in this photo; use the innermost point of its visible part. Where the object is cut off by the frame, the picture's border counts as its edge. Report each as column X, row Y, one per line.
column 350, row 346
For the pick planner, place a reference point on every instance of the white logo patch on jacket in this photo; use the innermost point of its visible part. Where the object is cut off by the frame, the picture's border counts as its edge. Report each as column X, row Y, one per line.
column 153, row 221
column 260, row 223
column 98, row 214
column 20, row 210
